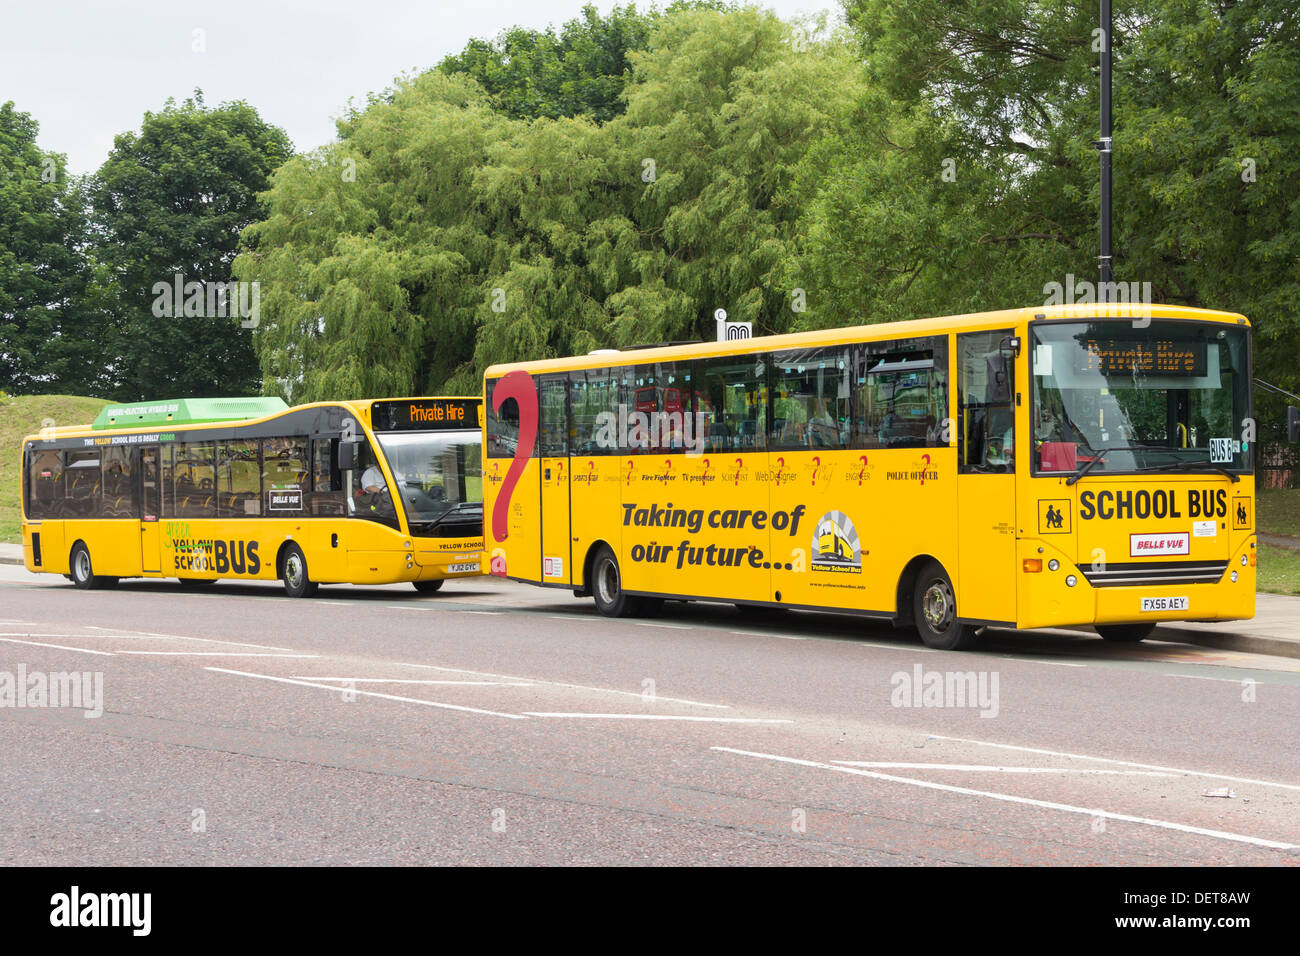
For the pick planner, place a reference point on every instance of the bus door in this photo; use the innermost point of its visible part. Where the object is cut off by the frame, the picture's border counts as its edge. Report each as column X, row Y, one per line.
column 512, row 478
column 553, row 441
column 150, row 508
column 986, row 573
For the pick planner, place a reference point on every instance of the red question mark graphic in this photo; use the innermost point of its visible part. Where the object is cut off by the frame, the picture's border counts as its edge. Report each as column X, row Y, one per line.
column 668, row 466
column 705, row 475
column 739, row 464
column 863, row 459
column 817, row 463
column 926, row 465
column 559, row 476
column 629, row 471
column 519, row 386
column 591, row 466
column 780, row 463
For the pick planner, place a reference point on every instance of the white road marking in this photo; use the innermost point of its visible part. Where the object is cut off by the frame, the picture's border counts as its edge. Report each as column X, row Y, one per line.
column 1026, row 801
column 710, row 720
column 1126, row 763
column 1034, row 660
column 1226, row 680
column 390, row 680
column 366, row 693
column 887, row 765
column 463, row 611
column 551, row 683
column 60, row 647
column 143, row 635
column 407, row 607
column 212, row 654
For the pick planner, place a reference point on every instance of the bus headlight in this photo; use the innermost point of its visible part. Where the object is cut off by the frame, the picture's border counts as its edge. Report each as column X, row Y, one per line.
column 1234, row 577
column 1053, row 564
column 1243, row 560
column 1071, row 580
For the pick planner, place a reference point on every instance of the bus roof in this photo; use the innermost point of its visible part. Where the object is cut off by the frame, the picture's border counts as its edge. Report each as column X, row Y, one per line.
column 883, row 330
column 186, row 411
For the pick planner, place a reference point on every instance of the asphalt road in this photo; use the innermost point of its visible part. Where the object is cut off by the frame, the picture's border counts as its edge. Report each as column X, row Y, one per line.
column 495, row 723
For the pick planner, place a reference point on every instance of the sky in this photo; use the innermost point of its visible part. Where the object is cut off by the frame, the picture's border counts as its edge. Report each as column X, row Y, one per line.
column 88, row 70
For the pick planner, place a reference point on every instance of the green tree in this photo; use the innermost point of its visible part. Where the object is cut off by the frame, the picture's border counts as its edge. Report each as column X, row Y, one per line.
column 966, row 179
column 579, row 71
column 172, row 200
column 440, row 235
column 52, row 323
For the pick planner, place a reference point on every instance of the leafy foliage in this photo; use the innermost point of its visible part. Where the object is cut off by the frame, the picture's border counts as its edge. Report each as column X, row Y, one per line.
column 440, row 234
column 172, row 200
column 52, row 333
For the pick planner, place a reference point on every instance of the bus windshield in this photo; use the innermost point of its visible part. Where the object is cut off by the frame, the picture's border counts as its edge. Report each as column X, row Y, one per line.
column 1114, row 397
column 440, row 475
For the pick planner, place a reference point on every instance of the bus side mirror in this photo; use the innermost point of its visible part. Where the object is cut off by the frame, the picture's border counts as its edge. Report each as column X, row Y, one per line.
column 999, row 384
column 1292, row 423
column 347, row 455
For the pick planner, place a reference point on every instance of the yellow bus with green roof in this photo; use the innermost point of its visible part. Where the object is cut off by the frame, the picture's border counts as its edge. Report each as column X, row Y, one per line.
column 377, row 491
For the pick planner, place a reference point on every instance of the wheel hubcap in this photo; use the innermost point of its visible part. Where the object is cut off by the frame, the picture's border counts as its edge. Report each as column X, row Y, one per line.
column 607, row 581
column 83, row 566
column 938, row 606
column 293, row 571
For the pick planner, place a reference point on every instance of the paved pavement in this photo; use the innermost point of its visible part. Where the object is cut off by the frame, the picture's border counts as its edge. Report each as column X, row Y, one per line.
column 1274, row 630
column 496, row 723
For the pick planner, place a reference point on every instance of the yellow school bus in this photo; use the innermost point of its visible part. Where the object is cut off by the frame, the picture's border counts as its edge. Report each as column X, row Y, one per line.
column 1039, row 467
column 364, row 492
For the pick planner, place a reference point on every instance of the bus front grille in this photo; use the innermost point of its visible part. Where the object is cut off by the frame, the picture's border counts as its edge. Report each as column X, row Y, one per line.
column 1154, row 573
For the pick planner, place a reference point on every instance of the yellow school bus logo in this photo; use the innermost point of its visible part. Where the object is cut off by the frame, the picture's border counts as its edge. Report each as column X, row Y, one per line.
column 1054, row 516
column 835, row 544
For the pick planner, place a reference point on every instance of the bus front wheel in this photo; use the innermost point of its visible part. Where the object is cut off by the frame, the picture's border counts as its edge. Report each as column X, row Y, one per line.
column 607, row 586
column 294, row 574
column 1125, row 633
column 83, row 572
column 427, row 587
column 934, row 610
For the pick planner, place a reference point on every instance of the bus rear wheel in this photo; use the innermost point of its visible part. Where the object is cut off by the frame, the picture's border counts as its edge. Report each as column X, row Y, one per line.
column 934, row 610
column 83, row 572
column 427, row 587
column 607, row 586
column 294, row 574
column 1125, row 633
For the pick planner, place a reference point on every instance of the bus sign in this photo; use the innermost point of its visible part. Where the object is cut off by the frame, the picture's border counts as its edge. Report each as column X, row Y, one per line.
column 425, row 414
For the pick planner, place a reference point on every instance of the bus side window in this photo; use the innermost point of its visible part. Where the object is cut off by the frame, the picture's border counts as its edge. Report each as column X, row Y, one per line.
column 590, row 397
column 327, row 496
column 985, row 413
column 45, row 483
column 732, row 395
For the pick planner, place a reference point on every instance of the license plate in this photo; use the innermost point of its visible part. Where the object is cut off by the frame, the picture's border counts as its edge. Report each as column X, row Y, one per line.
column 464, row 568
column 1164, row 604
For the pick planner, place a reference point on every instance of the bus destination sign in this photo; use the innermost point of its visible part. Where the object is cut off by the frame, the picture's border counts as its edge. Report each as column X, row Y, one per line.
column 424, row 414
column 1145, row 357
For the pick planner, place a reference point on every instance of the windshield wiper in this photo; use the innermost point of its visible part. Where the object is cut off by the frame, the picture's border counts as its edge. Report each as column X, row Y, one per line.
column 434, row 522
column 1197, row 465
column 1097, row 456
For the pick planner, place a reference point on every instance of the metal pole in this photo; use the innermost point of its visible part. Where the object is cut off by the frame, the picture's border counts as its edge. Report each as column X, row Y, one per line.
column 1107, row 273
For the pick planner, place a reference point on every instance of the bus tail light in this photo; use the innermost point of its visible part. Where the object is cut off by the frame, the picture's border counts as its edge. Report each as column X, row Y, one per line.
column 1252, row 560
column 1033, row 565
